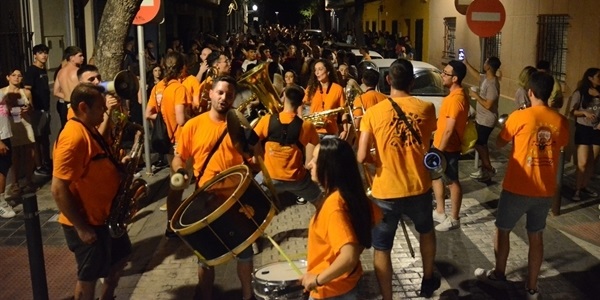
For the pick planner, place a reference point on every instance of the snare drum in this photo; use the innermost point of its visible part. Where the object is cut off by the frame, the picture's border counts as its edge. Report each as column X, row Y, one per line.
column 278, row 281
column 223, row 217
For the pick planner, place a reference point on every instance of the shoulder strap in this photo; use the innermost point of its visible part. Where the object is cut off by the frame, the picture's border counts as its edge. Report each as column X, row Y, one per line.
column 403, row 117
column 210, row 154
column 101, row 142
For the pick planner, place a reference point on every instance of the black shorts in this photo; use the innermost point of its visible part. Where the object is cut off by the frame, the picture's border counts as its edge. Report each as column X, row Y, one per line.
column 6, row 159
column 586, row 135
column 94, row 261
column 451, row 173
column 483, row 134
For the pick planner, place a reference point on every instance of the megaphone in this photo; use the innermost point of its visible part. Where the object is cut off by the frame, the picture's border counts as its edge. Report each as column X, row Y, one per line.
column 502, row 119
column 435, row 162
column 125, row 84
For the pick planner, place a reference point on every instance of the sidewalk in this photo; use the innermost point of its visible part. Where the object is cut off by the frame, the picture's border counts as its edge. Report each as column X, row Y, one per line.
column 166, row 269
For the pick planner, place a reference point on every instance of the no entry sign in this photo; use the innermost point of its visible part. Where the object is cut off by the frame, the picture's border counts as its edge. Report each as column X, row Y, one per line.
column 148, row 11
column 486, row 17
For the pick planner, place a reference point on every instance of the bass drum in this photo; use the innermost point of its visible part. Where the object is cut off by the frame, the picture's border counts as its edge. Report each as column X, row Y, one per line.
column 278, row 281
column 223, row 217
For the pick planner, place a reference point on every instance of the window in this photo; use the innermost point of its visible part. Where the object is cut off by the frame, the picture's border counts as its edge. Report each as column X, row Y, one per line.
column 449, row 36
column 383, row 26
column 552, row 43
column 491, row 45
column 366, row 25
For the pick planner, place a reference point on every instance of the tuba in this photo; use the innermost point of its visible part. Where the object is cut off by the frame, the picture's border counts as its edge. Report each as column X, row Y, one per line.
column 258, row 81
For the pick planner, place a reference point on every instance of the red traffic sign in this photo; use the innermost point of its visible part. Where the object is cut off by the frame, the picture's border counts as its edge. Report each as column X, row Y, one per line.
column 462, row 6
column 486, row 17
column 149, row 9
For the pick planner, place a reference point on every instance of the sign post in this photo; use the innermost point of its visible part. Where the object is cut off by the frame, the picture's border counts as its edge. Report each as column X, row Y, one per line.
column 149, row 12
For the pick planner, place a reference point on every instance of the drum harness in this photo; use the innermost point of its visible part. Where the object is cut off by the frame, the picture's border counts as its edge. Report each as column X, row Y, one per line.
column 285, row 134
column 210, row 154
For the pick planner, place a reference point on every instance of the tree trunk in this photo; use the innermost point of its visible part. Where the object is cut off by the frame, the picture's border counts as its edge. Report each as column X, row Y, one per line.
column 113, row 30
column 359, row 7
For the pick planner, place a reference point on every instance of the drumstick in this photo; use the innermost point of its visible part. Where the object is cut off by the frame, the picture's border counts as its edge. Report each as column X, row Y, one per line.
column 410, row 248
column 290, row 262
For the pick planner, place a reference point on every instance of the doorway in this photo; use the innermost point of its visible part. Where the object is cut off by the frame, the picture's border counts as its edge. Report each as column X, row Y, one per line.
column 418, row 51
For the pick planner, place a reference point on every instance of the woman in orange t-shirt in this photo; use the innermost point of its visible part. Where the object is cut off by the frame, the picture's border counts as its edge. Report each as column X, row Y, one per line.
column 340, row 229
column 325, row 93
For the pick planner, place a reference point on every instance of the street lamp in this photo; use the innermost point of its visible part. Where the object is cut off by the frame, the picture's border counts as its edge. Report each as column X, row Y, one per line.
column 277, row 16
column 254, row 7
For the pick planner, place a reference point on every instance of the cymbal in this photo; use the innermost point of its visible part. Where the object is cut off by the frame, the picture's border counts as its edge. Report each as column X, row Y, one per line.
column 236, row 123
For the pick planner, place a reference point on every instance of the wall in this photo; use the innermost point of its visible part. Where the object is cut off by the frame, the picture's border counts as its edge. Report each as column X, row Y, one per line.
column 399, row 11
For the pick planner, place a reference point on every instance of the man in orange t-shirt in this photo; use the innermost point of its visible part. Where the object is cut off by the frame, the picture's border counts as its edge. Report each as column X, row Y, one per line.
column 198, row 138
column 451, row 125
column 538, row 133
column 369, row 98
column 288, row 149
column 84, row 184
column 402, row 184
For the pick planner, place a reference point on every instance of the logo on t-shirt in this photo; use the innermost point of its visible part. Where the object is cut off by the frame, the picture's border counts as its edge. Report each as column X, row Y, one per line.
column 540, row 152
column 403, row 136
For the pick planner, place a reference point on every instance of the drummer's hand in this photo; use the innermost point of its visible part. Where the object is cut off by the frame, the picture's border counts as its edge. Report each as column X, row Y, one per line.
column 309, row 281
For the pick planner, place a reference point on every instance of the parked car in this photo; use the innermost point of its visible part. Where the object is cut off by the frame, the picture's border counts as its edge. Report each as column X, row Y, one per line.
column 355, row 51
column 428, row 84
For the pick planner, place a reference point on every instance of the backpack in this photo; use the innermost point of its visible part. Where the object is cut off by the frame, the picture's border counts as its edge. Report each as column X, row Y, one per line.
column 285, row 134
column 160, row 140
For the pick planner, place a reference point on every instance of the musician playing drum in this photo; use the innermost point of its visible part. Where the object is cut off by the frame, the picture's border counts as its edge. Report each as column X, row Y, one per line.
column 197, row 139
column 82, row 164
column 290, row 142
column 324, row 93
column 341, row 227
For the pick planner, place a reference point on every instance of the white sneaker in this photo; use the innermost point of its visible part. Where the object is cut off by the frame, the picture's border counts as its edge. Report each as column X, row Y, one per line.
column 476, row 174
column 163, row 207
column 439, row 217
column 6, row 211
column 448, row 224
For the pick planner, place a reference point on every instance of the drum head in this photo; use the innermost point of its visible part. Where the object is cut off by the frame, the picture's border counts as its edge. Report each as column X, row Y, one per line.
column 280, row 271
column 211, row 201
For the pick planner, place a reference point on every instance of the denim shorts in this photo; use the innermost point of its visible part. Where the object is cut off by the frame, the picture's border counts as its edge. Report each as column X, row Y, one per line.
column 94, row 260
column 418, row 208
column 451, row 173
column 512, row 206
column 483, row 134
column 247, row 255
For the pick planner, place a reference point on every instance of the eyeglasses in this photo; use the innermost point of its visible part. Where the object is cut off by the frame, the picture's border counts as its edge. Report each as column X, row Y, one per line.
column 447, row 74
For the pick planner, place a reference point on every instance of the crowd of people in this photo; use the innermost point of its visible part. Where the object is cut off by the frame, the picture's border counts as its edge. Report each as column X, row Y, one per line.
column 317, row 145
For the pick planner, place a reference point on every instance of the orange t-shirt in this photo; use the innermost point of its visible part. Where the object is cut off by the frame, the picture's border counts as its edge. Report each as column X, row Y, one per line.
column 192, row 87
column 326, row 100
column 70, row 113
column 537, row 134
column 365, row 101
column 286, row 162
column 454, row 106
column 198, row 137
column 167, row 96
column 94, row 180
column 400, row 171
column 328, row 231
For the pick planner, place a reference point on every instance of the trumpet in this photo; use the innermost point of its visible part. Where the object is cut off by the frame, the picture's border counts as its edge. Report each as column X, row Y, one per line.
column 319, row 118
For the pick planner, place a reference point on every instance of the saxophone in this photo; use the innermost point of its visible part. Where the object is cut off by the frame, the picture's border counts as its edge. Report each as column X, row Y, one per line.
column 131, row 190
